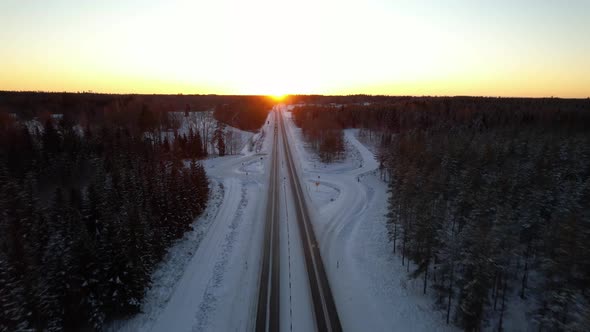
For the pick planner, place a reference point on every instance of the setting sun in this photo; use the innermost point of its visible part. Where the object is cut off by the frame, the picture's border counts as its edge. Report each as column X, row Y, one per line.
column 278, row 97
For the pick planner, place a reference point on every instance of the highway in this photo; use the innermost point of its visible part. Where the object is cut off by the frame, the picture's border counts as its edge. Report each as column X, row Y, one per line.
column 322, row 302
column 268, row 313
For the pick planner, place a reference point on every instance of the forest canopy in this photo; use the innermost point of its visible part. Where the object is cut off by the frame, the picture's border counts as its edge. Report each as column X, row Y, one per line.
column 90, row 201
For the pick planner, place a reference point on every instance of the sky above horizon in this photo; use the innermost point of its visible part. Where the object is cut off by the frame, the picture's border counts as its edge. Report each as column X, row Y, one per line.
column 459, row 47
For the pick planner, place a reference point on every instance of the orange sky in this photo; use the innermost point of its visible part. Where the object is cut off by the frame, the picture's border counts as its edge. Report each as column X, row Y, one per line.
column 508, row 48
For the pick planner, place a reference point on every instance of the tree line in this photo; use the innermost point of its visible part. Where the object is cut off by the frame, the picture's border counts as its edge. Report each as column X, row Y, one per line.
column 31, row 104
column 489, row 203
column 87, row 209
column 320, row 130
column 246, row 113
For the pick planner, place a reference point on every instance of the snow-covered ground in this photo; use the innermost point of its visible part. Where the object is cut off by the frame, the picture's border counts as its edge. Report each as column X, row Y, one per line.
column 369, row 284
column 209, row 280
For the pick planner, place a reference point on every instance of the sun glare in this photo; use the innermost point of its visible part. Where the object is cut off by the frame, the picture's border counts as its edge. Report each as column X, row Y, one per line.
column 278, row 97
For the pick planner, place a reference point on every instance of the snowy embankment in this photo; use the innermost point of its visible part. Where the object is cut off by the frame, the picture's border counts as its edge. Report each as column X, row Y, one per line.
column 370, row 286
column 209, row 279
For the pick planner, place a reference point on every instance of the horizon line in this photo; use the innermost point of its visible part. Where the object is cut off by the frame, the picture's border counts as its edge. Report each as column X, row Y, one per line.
column 287, row 94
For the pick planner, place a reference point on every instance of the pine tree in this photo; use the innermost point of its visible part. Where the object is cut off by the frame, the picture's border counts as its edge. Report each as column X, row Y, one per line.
column 218, row 138
column 51, row 139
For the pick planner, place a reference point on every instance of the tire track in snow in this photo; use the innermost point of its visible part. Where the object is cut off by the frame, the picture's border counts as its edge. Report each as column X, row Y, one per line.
column 209, row 301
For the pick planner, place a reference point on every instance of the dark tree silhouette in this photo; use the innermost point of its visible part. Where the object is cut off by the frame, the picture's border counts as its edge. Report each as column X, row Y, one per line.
column 85, row 215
